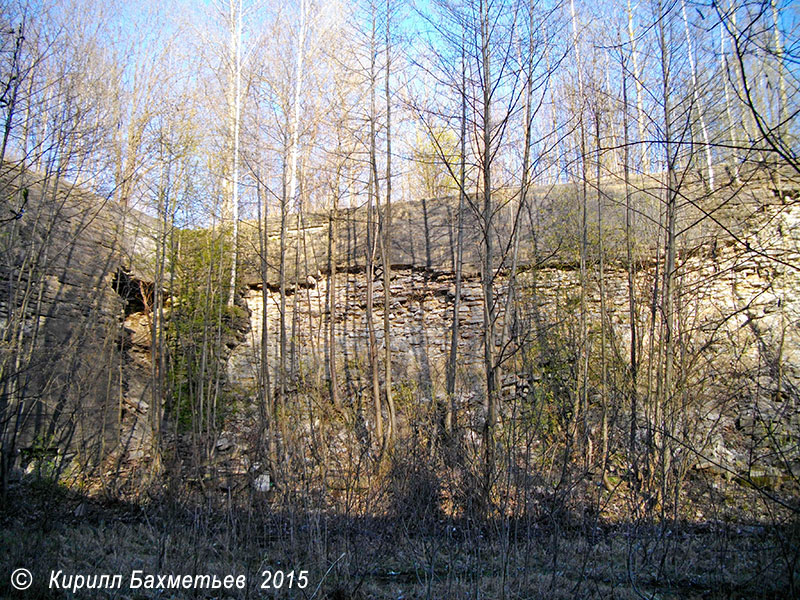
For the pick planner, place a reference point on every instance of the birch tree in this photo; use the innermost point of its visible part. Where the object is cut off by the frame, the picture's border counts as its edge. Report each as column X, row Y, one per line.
column 386, row 250
column 696, row 101
column 235, row 119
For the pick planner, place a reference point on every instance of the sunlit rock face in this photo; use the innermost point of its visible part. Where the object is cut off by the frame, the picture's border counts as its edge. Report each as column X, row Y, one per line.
column 739, row 314
column 77, row 358
column 749, row 293
column 420, row 313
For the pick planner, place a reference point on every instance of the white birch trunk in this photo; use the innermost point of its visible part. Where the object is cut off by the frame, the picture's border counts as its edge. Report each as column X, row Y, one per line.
column 637, row 77
column 301, row 42
column 236, row 52
column 696, row 98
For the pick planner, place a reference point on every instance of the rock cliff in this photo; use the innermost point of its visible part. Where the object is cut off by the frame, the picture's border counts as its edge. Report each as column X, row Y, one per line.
column 739, row 297
column 71, row 267
column 76, row 277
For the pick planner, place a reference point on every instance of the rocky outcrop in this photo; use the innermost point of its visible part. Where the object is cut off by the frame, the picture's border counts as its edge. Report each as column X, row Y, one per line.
column 739, row 304
column 66, row 383
column 76, row 275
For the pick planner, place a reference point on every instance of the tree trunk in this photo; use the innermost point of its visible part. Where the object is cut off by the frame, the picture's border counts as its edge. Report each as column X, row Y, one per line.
column 332, row 237
column 236, row 51
column 386, row 255
column 450, row 416
column 633, row 367
column 668, row 292
column 487, row 279
column 603, row 310
column 637, row 76
column 265, row 409
column 282, row 371
column 696, row 99
column 371, row 245
column 581, row 399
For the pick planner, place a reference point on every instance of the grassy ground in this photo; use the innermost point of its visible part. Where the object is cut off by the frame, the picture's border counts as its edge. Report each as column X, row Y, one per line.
column 45, row 527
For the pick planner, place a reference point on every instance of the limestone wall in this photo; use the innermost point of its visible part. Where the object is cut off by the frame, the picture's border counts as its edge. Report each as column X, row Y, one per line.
column 742, row 289
column 75, row 350
column 61, row 314
column 739, row 324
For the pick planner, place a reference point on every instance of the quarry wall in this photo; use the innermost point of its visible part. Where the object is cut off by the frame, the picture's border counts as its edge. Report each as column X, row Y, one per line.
column 68, row 384
column 77, row 357
column 746, row 289
column 739, row 307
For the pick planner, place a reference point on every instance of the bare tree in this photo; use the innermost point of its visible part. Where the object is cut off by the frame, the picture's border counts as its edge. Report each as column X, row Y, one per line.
column 386, row 234
column 371, row 246
column 235, row 108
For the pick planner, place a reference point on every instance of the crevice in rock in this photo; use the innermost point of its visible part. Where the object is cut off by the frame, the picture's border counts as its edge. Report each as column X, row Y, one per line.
column 132, row 291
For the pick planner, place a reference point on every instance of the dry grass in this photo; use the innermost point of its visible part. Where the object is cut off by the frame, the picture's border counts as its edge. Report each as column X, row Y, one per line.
column 45, row 527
